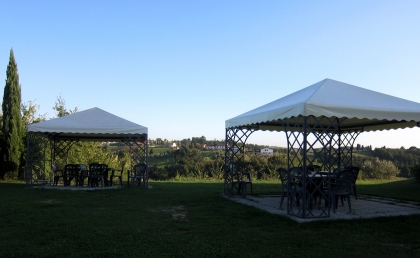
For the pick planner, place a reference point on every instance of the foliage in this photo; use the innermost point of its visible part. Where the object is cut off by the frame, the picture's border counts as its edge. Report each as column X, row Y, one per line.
column 378, row 169
column 415, row 171
column 215, row 168
column 60, row 108
column 29, row 111
column 403, row 159
column 12, row 130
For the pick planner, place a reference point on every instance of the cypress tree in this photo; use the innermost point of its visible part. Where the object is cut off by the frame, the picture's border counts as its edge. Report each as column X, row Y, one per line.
column 12, row 119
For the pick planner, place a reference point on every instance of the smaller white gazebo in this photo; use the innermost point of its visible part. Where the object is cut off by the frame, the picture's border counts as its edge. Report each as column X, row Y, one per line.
column 92, row 124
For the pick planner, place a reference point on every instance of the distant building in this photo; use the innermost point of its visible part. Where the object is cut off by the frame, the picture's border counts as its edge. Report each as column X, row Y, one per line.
column 216, row 147
column 266, row 151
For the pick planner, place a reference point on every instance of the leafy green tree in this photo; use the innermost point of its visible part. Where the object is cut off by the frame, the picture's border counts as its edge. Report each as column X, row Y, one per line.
column 29, row 111
column 12, row 121
column 379, row 169
column 60, row 108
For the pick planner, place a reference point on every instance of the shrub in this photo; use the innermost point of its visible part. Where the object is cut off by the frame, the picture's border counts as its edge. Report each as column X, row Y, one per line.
column 415, row 171
column 379, row 169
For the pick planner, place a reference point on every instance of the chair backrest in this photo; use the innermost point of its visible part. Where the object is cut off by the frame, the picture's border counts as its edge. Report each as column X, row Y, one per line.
column 294, row 177
column 97, row 169
column 139, row 169
column 343, row 181
column 355, row 171
column 284, row 177
column 71, row 169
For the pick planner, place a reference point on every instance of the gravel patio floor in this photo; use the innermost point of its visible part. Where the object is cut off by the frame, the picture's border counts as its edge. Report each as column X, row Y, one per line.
column 362, row 208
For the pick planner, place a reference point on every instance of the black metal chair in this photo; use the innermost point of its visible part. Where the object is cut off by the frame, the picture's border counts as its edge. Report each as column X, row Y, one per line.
column 295, row 186
column 57, row 174
column 284, row 179
column 240, row 180
column 97, row 173
column 340, row 188
column 246, row 180
column 71, row 171
column 83, row 174
column 116, row 173
column 355, row 175
column 137, row 175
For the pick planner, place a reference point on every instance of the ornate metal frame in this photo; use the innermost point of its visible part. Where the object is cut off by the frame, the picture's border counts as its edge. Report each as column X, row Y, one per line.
column 43, row 149
column 310, row 140
column 234, row 154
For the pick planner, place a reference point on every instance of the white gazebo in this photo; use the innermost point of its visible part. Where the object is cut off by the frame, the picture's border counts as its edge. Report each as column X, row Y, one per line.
column 61, row 133
column 324, row 119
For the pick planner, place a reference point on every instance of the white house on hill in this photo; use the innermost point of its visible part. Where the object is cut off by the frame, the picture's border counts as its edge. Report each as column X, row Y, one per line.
column 266, row 151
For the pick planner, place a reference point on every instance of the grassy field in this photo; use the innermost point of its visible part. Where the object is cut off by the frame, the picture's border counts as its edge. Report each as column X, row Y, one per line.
column 190, row 219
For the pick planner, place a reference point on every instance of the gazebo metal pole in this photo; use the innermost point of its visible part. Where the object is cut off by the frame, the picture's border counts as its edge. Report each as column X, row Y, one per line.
column 28, row 160
column 339, row 144
column 305, row 142
column 289, row 206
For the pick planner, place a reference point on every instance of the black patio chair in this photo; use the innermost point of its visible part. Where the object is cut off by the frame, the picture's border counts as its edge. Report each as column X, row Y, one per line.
column 355, row 175
column 83, row 174
column 70, row 172
column 340, row 188
column 137, row 175
column 116, row 173
column 57, row 174
column 246, row 180
column 240, row 180
column 97, row 173
column 284, row 179
column 295, row 186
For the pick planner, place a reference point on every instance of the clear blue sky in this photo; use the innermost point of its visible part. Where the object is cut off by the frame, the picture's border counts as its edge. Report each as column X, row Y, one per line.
column 181, row 68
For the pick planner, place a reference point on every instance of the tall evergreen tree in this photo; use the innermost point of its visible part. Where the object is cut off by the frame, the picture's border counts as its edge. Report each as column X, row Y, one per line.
column 12, row 119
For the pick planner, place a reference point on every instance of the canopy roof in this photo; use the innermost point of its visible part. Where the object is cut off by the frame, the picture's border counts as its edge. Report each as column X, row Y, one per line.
column 364, row 109
column 92, row 124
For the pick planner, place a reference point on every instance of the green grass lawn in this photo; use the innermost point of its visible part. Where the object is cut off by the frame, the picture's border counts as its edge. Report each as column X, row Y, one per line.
column 189, row 219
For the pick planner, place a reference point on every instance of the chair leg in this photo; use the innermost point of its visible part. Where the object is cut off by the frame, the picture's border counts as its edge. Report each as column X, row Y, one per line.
column 282, row 198
column 354, row 191
column 348, row 200
column 239, row 188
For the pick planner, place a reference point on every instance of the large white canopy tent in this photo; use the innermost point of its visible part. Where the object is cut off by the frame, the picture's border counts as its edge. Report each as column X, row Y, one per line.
column 93, row 124
column 332, row 113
